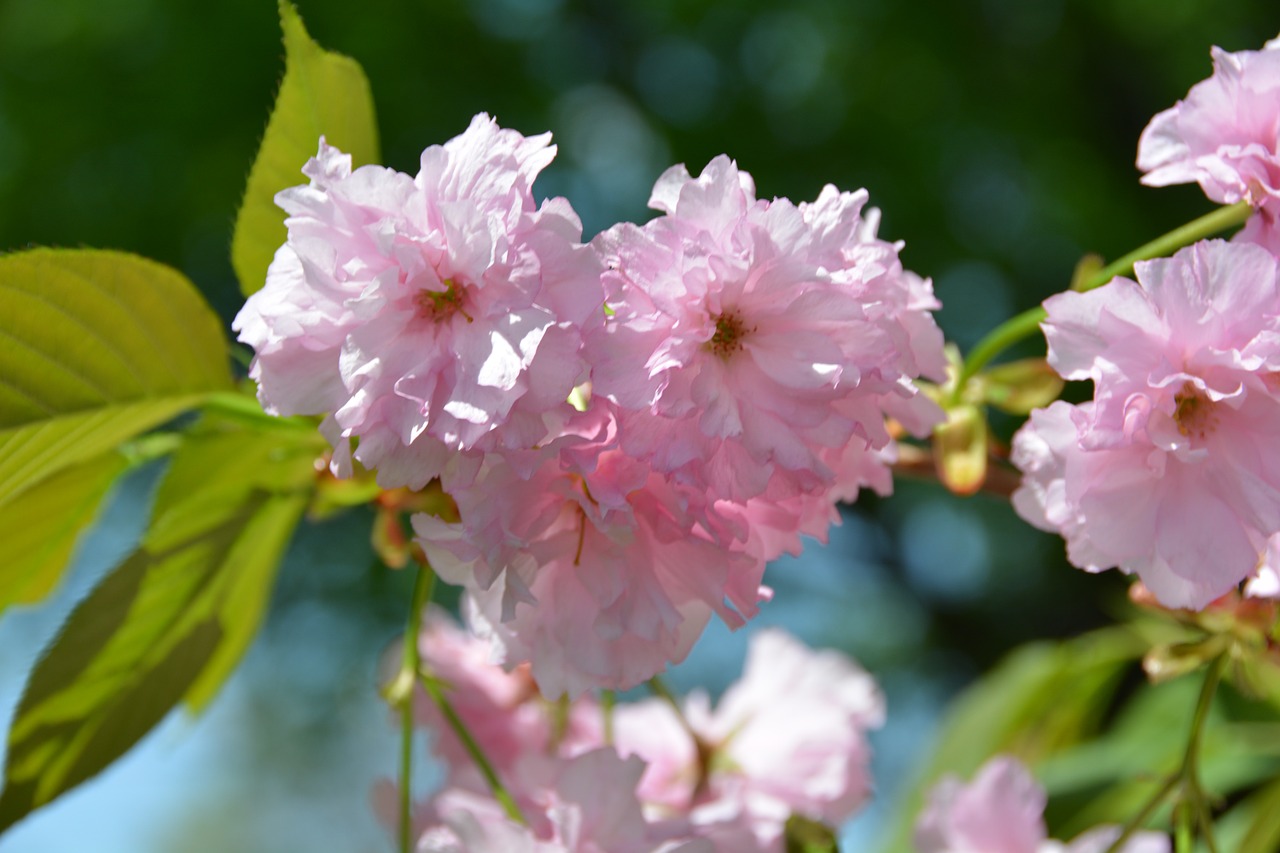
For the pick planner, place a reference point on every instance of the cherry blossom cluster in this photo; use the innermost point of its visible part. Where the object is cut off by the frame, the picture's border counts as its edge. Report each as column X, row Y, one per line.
column 1002, row 811
column 788, row 738
column 630, row 429
column 1170, row 471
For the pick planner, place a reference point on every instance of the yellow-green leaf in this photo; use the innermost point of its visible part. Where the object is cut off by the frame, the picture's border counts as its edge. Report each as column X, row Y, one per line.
column 322, row 93
column 172, row 620
column 95, row 348
column 40, row 530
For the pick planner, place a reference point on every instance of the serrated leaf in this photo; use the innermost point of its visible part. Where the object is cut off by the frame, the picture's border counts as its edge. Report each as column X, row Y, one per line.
column 172, row 620
column 40, row 530
column 322, row 93
column 95, row 348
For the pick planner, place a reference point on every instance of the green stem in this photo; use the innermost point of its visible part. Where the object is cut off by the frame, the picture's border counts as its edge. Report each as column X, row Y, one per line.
column 607, row 701
column 473, row 749
column 1026, row 323
column 1198, row 229
column 1183, row 828
column 401, row 694
column 1191, row 809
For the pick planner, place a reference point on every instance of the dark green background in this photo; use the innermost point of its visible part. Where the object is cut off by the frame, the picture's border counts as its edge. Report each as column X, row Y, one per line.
column 998, row 137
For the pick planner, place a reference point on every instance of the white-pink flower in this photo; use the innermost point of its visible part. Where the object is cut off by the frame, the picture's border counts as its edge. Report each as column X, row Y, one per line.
column 745, row 333
column 503, row 711
column 788, row 738
column 1172, row 470
column 1225, row 136
column 1001, row 811
column 597, row 577
column 427, row 314
column 586, row 804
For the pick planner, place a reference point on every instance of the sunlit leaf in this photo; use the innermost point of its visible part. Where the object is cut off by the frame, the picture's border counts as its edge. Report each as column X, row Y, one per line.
column 172, row 620
column 40, row 530
column 95, row 348
column 322, row 93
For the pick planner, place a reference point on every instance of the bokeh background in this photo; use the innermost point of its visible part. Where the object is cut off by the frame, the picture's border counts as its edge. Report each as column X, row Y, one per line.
column 997, row 136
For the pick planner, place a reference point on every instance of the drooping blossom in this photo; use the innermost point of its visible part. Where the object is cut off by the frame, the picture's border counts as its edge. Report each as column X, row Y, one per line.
column 597, row 578
column 1002, row 811
column 426, row 315
column 788, row 738
column 1225, row 136
column 504, row 712
column 751, row 339
column 1171, row 471
column 586, row 804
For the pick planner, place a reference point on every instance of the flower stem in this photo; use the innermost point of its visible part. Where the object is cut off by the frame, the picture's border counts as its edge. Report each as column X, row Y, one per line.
column 400, row 693
column 500, row 793
column 1191, row 810
column 659, row 688
column 1026, row 323
column 608, row 699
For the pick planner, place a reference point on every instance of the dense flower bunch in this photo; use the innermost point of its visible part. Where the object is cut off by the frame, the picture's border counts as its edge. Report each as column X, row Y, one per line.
column 788, row 738
column 1168, row 471
column 630, row 430
column 1001, row 811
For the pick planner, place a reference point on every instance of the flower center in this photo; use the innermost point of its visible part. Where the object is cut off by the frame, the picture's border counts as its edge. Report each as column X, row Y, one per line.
column 1193, row 412
column 727, row 338
column 440, row 305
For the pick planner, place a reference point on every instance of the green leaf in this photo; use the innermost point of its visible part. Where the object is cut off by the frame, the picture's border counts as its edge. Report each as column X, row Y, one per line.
column 172, row 620
column 95, row 348
column 1258, row 819
column 1041, row 699
column 1109, row 779
column 40, row 530
column 322, row 93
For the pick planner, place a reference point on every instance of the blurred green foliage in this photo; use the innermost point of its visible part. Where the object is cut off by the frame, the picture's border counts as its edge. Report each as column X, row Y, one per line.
column 997, row 136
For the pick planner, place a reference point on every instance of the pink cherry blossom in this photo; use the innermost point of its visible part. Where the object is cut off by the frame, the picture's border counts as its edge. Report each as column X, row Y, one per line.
column 1001, row 811
column 503, row 710
column 745, row 333
column 586, row 804
column 428, row 314
column 1170, row 472
column 788, row 737
column 598, row 577
column 1225, row 136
